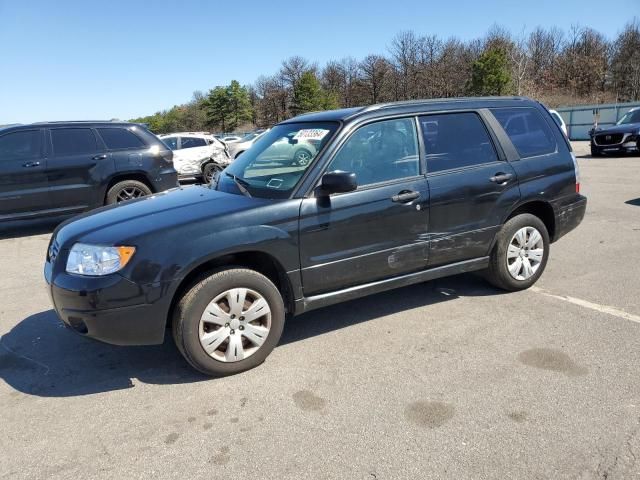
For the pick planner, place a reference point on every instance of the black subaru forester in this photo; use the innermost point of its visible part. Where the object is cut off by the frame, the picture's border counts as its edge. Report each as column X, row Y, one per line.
column 395, row 194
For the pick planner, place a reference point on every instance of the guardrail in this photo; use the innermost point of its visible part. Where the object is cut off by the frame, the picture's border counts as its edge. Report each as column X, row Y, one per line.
column 580, row 119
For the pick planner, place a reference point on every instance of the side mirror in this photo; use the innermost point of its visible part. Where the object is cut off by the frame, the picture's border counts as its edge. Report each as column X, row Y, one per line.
column 338, row 182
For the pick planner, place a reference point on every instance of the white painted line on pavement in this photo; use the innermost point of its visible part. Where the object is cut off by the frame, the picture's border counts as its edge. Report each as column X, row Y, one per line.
column 593, row 306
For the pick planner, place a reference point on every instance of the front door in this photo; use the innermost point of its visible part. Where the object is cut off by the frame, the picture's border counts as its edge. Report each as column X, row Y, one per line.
column 377, row 231
column 472, row 188
column 23, row 179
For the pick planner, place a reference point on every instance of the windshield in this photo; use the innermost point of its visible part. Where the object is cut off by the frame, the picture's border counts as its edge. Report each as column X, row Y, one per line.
column 630, row 117
column 275, row 163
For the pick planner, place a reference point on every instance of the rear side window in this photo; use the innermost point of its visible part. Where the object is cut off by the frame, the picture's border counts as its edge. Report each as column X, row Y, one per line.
column 73, row 141
column 190, row 142
column 20, row 145
column 456, row 140
column 118, row 138
column 527, row 130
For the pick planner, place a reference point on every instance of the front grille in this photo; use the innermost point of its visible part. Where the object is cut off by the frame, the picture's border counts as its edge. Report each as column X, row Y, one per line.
column 609, row 138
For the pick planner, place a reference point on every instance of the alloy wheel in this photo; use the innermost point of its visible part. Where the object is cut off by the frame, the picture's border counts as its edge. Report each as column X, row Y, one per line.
column 129, row 193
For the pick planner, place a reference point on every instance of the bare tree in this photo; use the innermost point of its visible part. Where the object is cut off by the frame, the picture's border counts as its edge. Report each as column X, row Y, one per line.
column 374, row 76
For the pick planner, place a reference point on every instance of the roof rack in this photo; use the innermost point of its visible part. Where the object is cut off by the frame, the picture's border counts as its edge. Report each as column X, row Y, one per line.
column 380, row 106
column 82, row 121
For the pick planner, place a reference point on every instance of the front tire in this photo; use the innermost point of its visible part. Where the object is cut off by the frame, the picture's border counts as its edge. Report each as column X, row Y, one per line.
column 302, row 157
column 520, row 253
column 229, row 321
column 595, row 151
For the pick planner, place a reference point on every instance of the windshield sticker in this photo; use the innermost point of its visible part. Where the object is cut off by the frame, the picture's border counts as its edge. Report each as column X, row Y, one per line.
column 311, row 134
column 275, row 183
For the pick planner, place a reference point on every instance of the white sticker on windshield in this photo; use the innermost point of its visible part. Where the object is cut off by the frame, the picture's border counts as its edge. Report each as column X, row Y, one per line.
column 311, row 134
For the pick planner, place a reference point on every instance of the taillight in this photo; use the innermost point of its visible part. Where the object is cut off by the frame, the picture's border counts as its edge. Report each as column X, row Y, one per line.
column 577, row 171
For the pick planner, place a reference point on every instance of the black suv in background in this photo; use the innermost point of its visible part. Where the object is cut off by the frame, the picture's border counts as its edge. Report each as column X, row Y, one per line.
column 57, row 168
column 393, row 194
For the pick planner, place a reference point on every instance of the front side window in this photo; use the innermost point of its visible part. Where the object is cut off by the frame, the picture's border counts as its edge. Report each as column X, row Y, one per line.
column 73, row 141
column 380, row 152
column 527, row 130
column 21, row 145
column 191, row 142
column 171, row 142
column 456, row 140
column 119, row 138
column 275, row 163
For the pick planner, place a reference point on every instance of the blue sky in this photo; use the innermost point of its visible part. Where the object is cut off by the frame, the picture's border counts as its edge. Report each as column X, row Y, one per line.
column 91, row 60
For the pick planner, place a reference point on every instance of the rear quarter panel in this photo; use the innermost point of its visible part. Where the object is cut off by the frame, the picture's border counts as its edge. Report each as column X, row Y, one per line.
column 548, row 178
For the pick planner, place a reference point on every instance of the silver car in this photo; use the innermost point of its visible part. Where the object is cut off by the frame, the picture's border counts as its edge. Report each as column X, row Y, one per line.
column 236, row 148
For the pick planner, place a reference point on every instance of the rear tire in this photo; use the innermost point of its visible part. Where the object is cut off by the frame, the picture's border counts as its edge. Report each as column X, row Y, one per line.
column 207, row 317
column 520, row 253
column 127, row 190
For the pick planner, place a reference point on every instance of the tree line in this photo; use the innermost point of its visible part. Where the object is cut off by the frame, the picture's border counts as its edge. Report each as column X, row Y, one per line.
column 556, row 67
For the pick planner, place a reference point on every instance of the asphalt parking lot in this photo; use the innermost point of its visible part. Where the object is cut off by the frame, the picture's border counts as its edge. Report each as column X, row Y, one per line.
column 447, row 379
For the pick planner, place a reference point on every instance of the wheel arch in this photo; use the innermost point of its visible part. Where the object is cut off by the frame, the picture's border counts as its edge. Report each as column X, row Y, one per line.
column 262, row 262
column 541, row 209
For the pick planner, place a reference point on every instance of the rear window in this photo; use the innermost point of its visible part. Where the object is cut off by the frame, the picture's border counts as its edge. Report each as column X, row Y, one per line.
column 528, row 131
column 73, row 141
column 119, row 138
column 20, row 145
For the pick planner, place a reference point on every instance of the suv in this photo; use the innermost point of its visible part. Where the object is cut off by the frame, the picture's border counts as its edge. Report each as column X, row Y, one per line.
column 395, row 194
column 623, row 137
column 59, row 168
column 197, row 155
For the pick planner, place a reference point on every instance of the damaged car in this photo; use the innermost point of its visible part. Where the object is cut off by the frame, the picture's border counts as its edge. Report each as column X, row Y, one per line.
column 623, row 137
column 197, row 156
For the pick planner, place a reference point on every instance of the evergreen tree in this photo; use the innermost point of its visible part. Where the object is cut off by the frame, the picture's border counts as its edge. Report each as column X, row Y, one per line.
column 308, row 95
column 490, row 73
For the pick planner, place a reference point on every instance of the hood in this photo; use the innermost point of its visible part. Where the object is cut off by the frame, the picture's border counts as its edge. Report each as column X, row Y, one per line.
column 122, row 224
column 626, row 128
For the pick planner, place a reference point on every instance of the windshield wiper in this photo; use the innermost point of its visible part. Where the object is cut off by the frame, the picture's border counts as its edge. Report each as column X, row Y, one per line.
column 241, row 184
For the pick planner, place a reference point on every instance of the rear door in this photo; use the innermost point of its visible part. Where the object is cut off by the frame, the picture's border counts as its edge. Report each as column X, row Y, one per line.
column 23, row 179
column 472, row 186
column 377, row 231
column 129, row 152
column 77, row 165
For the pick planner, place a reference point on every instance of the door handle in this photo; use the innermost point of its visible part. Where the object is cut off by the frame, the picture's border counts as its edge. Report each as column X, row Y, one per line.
column 31, row 164
column 100, row 157
column 501, row 177
column 405, row 196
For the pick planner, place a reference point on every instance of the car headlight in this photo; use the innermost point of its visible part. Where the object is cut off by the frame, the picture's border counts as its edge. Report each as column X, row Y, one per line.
column 96, row 260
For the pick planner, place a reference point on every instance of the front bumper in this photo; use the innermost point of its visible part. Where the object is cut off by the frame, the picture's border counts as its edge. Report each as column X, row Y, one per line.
column 568, row 214
column 111, row 309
